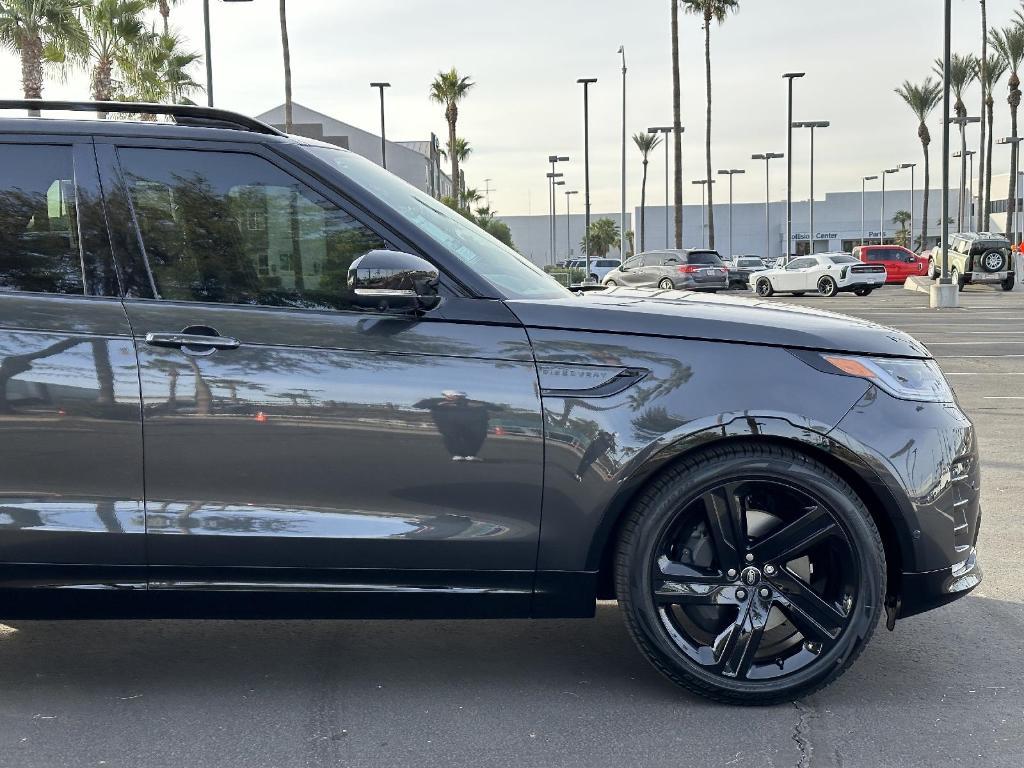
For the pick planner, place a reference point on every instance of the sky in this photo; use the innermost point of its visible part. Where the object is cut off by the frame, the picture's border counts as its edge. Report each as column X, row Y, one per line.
column 525, row 57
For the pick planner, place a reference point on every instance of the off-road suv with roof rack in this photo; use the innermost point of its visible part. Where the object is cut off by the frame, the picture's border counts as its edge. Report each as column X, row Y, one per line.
column 976, row 257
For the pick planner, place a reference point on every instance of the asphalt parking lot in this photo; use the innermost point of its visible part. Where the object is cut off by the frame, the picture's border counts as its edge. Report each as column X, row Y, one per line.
column 944, row 688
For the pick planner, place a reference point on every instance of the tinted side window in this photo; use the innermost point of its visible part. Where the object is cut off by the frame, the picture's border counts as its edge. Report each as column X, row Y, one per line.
column 876, row 255
column 39, row 245
column 233, row 228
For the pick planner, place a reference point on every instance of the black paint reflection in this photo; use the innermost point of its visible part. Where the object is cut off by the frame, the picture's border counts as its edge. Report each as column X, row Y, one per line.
column 461, row 421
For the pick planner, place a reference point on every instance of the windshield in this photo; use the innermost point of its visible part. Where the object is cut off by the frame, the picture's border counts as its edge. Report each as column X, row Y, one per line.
column 749, row 263
column 512, row 274
column 843, row 259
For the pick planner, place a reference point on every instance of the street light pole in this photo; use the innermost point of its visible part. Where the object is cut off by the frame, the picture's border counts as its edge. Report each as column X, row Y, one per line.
column 553, row 159
column 962, row 203
column 1011, row 225
column 666, row 131
column 881, row 215
column 767, row 157
column 790, row 77
column 209, row 50
column 383, row 138
column 913, row 201
column 730, row 173
column 863, row 184
column 586, row 83
column 554, row 218
column 812, row 124
column 962, row 122
column 703, row 203
column 622, row 212
column 568, row 222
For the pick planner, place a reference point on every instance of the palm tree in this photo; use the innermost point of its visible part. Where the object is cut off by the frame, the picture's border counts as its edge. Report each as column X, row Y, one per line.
column 1008, row 42
column 462, row 150
column 963, row 70
column 41, row 31
column 164, row 6
column 677, row 133
column 710, row 10
column 645, row 142
column 159, row 71
column 994, row 70
column 604, row 233
column 902, row 219
column 449, row 88
column 287, row 53
column 922, row 99
column 116, row 32
column 983, row 78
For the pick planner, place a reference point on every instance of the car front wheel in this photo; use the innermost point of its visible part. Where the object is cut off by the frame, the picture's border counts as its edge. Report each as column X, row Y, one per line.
column 827, row 286
column 750, row 574
column 666, row 285
column 1008, row 283
column 764, row 287
column 957, row 278
column 610, row 283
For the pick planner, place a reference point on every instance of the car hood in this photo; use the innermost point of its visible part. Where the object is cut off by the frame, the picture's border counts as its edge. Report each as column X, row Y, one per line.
column 682, row 314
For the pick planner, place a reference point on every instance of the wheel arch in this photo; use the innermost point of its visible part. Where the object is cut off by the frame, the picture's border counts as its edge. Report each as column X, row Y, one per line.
column 881, row 505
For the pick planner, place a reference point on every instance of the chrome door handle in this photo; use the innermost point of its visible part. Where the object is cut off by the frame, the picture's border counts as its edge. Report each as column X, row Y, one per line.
column 179, row 340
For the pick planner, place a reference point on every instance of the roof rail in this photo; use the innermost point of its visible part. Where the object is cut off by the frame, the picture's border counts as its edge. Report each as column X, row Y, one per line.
column 183, row 114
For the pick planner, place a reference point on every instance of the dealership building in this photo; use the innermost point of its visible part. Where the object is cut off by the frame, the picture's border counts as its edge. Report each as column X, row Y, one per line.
column 837, row 225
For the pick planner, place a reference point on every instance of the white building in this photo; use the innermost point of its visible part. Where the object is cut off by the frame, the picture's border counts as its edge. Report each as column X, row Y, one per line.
column 417, row 162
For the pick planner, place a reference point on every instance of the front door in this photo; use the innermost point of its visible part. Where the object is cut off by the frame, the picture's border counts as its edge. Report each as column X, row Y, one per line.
column 300, row 438
column 71, row 492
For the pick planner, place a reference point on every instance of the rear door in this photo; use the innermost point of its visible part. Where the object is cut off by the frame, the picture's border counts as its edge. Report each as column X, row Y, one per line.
column 71, row 497
column 892, row 260
column 304, row 439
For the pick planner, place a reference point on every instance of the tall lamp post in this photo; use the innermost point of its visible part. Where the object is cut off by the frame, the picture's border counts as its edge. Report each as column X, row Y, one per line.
column 554, row 218
column 622, row 212
column 209, row 53
column 586, row 82
column 881, row 215
column 383, row 139
column 913, row 201
column 963, row 213
column 553, row 159
column 703, row 183
column 1011, row 228
column 812, row 124
column 767, row 157
column 730, row 173
column 667, row 131
column 790, row 77
column 962, row 122
column 863, row 185
column 551, row 214
column 568, row 222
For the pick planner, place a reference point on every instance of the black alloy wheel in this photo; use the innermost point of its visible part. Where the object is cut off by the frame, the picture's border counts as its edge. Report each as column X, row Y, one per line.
column 764, row 287
column 827, row 286
column 751, row 574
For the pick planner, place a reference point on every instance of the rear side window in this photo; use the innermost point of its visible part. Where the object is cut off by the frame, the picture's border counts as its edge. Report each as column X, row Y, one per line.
column 233, row 228
column 704, row 257
column 878, row 255
column 39, row 245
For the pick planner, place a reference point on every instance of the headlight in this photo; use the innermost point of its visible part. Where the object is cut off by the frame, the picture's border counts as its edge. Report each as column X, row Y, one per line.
column 907, row 379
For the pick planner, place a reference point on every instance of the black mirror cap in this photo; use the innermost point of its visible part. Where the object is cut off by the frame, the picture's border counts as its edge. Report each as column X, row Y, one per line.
column 392, row 281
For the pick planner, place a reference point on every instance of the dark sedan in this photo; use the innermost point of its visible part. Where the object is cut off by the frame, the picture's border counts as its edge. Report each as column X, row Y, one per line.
column 249, row 375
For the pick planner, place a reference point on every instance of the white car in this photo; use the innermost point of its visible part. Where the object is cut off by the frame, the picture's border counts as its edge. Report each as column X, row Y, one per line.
column 598, row 267
column 826, row 273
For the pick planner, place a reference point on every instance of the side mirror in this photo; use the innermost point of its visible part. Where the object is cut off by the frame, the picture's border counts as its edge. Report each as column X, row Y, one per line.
column 392, row 281
column 623, row 268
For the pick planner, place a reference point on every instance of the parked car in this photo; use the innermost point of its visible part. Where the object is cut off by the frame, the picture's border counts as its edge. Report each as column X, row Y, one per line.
column 251, row 375
column 899, row 262
column 826, row 273
column 976, row 257
column 598, row 267
column 740, row 269
column 695, row 269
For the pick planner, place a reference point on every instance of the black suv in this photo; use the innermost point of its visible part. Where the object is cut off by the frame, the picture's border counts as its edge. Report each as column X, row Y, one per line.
column 249, row 375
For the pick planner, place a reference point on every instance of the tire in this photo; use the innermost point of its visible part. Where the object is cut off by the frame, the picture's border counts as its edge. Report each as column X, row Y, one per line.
column 1008, row 283
column 863, row 291
column 957, row 278
column 666, row 284
column 594, row 278
column 992, row 260
column 827, row 286
column 763, row 287
column 799, row 293
column 610, row 283
column 931, row 269
column 660, row 610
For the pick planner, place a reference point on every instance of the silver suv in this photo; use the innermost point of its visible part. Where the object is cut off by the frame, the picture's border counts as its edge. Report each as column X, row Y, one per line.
column 977, row 257
column 695, row 269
